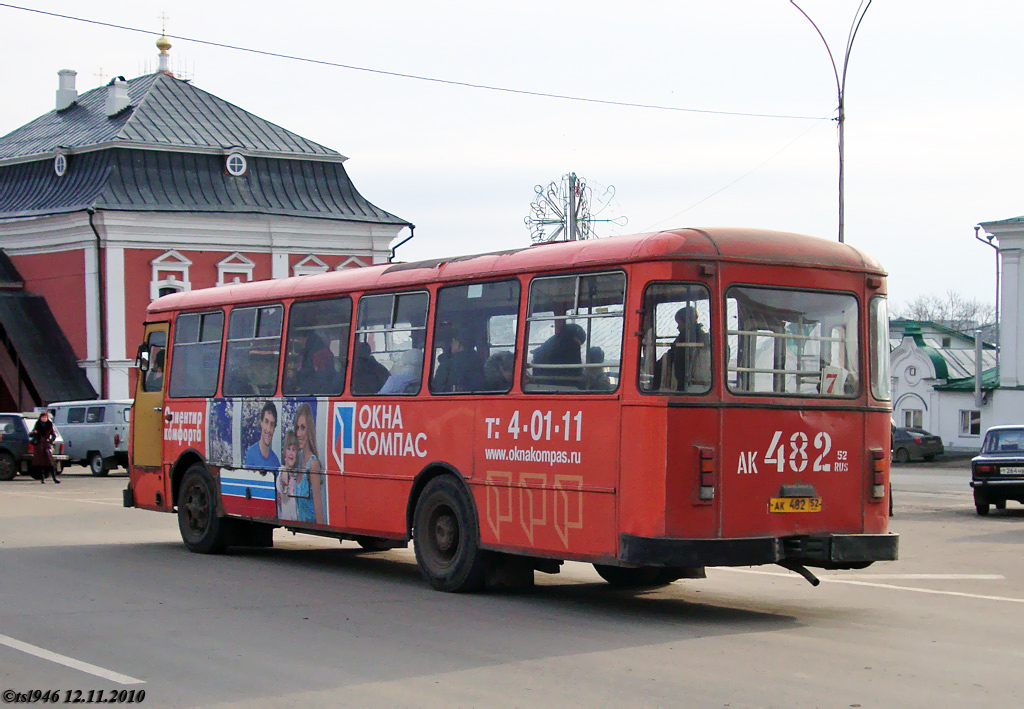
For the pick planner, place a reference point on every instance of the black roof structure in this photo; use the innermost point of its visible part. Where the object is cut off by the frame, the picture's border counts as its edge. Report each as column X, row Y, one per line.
column 27, row 327
column 165, row 152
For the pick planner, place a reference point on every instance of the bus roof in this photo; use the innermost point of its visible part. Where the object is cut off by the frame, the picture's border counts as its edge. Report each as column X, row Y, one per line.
column 720, row 244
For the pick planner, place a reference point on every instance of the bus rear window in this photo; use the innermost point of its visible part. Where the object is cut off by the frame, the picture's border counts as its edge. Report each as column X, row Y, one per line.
column 317, row 352
column 574, row 333
column 475, row 338
column 881, row 383
column 196, row 360
column 390, row 336
column 675, row 357
column 793, row 342
column 253, row 351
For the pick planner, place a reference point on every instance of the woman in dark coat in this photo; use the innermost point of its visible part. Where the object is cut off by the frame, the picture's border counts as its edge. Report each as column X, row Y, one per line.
column 42, row 456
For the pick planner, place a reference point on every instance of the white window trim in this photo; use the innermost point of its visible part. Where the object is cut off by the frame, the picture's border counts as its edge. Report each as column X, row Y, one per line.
column 236, row 156
column 349, row 261
column 233, row 268
column 178, row 267
column 965, row 430
column 309, row 266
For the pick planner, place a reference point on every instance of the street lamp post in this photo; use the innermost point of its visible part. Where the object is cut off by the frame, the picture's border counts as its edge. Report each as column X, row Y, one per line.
column 988, row 241
column 840, row 86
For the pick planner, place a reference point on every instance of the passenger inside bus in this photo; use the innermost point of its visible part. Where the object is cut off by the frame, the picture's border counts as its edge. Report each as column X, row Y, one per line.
column 368, row 375
column 460, row 368
column 317, row 373
column 498, row 371
column 562, row 348
column 155, row 375
column 595, row 378
column 405, row 377
column 686, row 366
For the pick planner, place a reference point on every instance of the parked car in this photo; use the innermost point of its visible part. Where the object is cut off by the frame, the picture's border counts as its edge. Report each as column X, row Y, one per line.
column 96, row 432
column 16, row 451
column 997, row 474
column 915, row 443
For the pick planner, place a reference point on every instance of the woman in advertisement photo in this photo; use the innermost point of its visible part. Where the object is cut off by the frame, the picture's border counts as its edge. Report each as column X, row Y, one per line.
column 312, row 507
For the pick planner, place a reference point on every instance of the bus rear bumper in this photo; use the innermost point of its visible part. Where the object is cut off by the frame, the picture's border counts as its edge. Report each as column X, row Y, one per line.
column 826, row 550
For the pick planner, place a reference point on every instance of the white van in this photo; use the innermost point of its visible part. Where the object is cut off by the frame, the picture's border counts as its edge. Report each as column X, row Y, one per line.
column 95, row 432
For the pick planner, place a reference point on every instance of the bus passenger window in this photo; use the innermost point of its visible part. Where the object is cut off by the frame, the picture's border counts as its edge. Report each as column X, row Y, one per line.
column 316, row 354
column 253, row 351
column 574, row 333
column 390, row 336
column 474, row 338
column 792, row 342
column 675, row 354
column 195, row 362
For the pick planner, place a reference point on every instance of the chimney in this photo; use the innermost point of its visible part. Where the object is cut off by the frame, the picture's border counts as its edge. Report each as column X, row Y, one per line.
column 67, row 94
column 117, row 96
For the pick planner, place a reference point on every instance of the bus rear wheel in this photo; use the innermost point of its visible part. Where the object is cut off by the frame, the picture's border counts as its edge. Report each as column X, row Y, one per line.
column 201, row 529
column 446, row 538
column 640, row 577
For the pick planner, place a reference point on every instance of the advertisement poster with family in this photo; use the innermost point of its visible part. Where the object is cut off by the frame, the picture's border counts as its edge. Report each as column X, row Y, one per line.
column 272, row 457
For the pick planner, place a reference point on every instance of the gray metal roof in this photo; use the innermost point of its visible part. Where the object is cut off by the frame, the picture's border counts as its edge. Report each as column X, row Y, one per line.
column 166, row 113
column 960, row 363
column 124, row 179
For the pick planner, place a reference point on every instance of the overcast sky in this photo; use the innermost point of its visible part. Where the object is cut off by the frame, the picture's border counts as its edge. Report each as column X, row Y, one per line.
column 933, row 136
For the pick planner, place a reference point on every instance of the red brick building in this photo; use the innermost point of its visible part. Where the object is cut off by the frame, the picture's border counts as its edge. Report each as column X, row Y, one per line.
column 151, row 186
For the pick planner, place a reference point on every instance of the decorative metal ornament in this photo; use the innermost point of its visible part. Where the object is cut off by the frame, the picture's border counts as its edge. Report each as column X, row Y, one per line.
column 570, row 209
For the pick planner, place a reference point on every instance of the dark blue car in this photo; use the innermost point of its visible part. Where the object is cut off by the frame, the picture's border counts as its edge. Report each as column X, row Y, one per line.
column 997, row 474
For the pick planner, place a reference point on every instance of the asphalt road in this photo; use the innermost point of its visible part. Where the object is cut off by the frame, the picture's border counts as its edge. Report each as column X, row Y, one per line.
column 94, row 596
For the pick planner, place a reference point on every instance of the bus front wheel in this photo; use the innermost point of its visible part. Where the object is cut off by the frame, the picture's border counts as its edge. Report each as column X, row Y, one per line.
column 640, row 577
column 446, row 539
column 201, row 529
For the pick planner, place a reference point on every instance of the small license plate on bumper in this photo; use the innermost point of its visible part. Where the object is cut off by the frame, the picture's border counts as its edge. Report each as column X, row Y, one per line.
column 1014, row 470
column 794, row 504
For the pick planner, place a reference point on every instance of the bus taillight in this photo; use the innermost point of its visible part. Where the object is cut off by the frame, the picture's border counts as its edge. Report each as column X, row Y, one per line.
column 877, row 473
column 707, row 474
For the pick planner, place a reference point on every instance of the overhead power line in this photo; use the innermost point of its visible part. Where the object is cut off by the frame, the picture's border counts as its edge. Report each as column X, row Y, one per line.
column 400, row 75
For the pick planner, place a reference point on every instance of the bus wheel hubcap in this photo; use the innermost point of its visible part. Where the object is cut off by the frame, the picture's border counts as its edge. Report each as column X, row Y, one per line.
column 446, row 534
column 198, row 510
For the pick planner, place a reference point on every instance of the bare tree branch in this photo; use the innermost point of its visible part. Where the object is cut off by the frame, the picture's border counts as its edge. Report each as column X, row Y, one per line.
column 952, row 310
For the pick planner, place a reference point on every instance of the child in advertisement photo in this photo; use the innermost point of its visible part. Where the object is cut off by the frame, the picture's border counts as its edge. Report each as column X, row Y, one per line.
column 287, row 483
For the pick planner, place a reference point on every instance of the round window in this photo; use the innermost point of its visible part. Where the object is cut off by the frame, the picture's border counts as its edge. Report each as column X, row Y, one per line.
column 236, row 164
column 60, row 165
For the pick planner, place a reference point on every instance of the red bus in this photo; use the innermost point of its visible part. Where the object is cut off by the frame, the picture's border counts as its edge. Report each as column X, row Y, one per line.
column 651, row 404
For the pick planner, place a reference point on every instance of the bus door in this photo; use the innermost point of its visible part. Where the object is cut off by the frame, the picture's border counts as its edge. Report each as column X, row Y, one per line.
column 147, row 424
